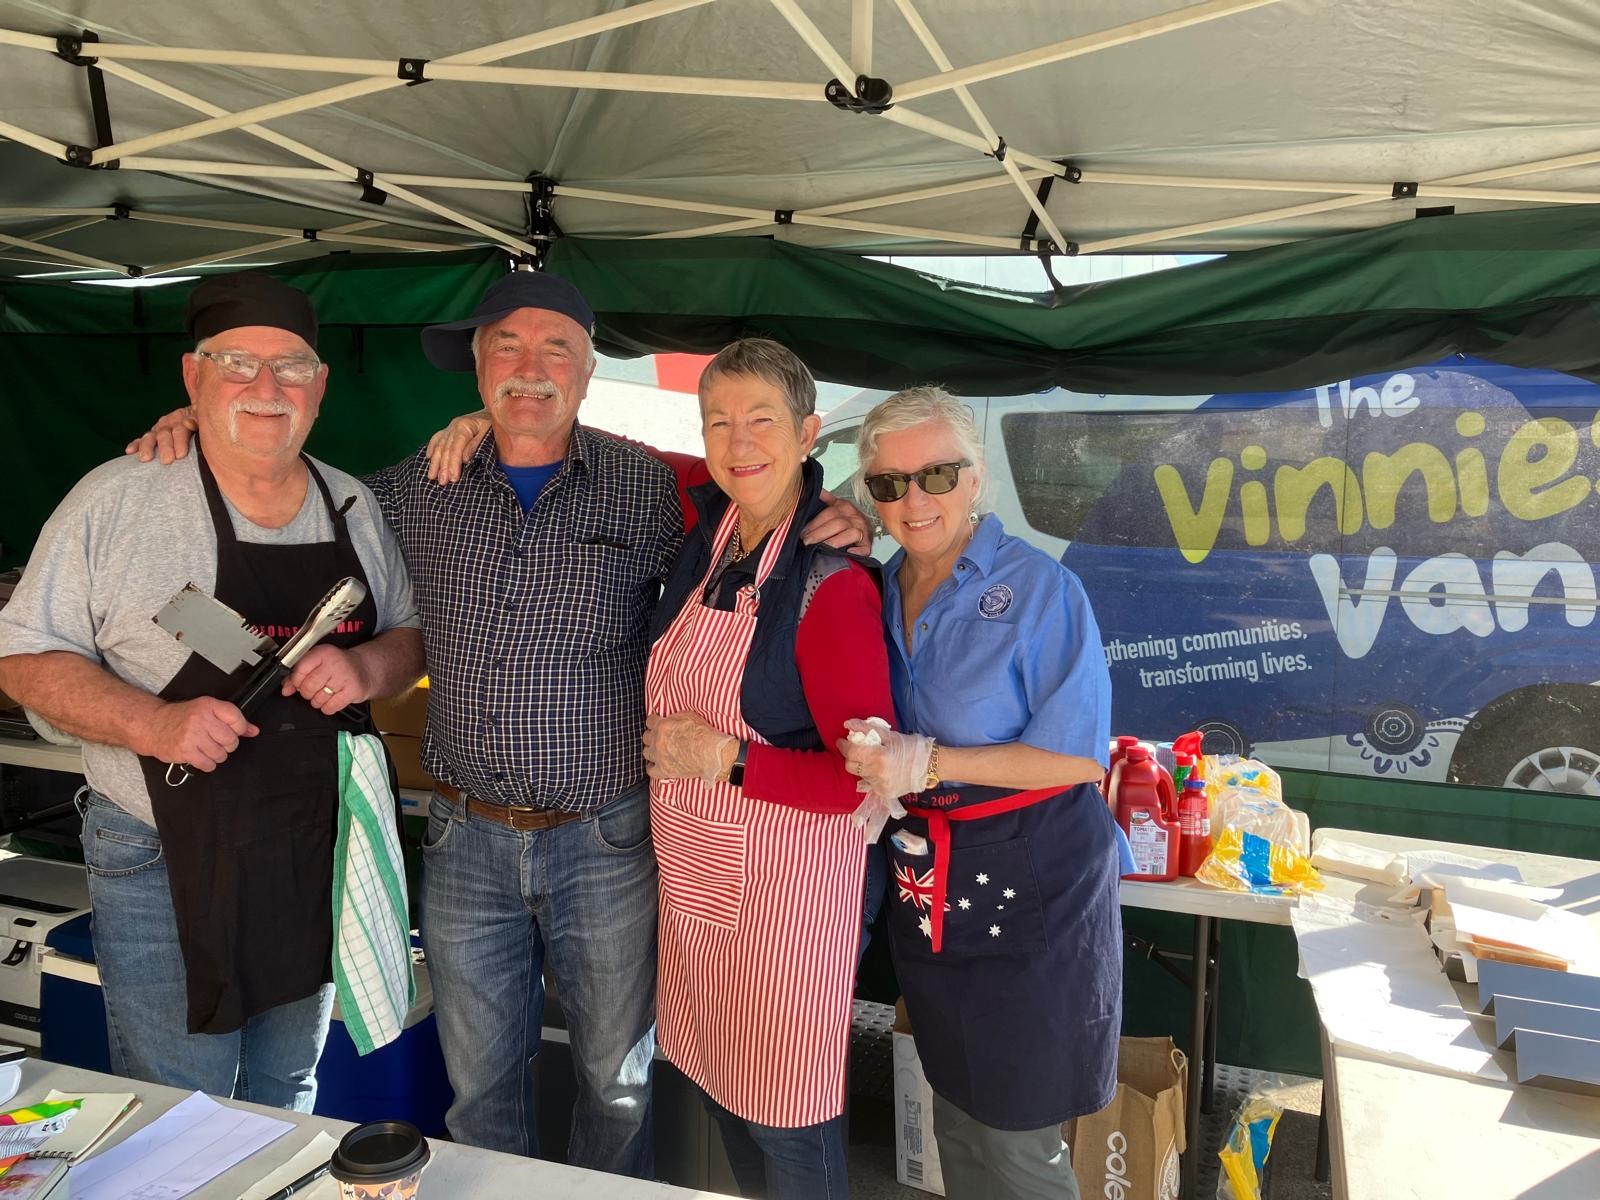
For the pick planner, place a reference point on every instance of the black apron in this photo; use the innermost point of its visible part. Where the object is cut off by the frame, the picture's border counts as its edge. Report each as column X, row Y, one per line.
column 1018, row 1014
column 249, row 846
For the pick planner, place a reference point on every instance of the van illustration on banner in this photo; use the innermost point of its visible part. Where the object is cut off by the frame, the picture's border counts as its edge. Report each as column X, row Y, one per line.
column 1392, row 575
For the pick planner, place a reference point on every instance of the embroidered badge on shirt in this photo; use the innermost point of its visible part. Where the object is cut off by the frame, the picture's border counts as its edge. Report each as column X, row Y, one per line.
column 994, row 601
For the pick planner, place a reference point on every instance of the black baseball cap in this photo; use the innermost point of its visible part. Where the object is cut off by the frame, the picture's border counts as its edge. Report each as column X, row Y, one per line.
column 222, row 302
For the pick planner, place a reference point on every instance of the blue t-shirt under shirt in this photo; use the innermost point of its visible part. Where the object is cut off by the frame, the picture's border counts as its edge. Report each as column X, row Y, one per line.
column 528, row 482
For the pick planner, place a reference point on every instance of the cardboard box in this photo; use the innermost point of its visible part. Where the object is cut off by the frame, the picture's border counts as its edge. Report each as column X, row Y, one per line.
column 405, row 715
column 407, row 755
column 916, row 1154
column 1129, row 1149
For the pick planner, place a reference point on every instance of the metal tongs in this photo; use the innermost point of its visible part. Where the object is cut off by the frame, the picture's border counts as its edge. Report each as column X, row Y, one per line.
column 224, row 639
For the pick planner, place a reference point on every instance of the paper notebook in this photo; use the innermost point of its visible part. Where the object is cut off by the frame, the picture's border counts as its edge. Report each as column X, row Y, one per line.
column 33, row 1178
column 101, row 1113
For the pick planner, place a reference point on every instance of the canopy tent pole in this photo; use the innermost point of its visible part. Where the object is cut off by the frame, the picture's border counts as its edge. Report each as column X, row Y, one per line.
column 350, row 172
column 200, row 166
column 1239, row 222
column 338, row 234
column 694, row 206
column 572, row 31
column 206, row 260
column 929, row 193
column 912, row 231
column 57, row 212
column 1088, row 43
column 386, row 69
column 813, row 37
column 260, row 248
column 1385, row 191
column 997, row 146
column 1584, row 159
column 706, row 230
column 60, row 255
column 757, row 216
column 43, row 145
column 1342, row 202
column 40, row 235
column 861, row 36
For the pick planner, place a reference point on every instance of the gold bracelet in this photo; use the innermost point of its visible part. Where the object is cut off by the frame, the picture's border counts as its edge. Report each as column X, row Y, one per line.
column 931, row 779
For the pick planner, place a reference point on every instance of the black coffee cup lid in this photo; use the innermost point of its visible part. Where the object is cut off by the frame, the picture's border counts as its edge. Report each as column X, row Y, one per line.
column 379, row 1150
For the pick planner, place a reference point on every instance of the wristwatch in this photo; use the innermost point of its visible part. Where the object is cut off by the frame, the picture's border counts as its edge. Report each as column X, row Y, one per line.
column 736, row 772
column 931, row 779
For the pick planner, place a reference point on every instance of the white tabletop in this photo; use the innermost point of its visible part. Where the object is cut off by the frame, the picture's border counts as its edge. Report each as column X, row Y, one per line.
column 1401, row 1133
column 40, row 753
column 454, row 1171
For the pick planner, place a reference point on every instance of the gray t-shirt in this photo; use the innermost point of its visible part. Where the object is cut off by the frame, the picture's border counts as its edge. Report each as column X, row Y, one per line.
column 127, row 537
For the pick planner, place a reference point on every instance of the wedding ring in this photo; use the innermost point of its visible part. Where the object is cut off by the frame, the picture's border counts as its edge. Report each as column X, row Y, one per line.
column 327, row 690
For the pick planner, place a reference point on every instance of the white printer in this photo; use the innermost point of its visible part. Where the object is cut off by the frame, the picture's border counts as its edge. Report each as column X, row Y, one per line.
column 36, row 895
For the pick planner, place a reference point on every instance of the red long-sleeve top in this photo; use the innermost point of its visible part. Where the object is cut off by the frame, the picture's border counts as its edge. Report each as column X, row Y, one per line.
column 844, row 672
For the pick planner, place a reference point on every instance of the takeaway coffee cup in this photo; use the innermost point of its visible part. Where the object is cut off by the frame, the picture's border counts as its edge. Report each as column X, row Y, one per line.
column 381, row 1160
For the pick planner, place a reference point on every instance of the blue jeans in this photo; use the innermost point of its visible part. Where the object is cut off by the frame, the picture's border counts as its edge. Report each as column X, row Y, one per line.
column 805, row 1163
column 272, row 1060
column 494, row 903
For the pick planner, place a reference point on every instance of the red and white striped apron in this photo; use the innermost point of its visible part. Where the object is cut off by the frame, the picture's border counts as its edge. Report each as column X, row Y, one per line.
column 760, row 903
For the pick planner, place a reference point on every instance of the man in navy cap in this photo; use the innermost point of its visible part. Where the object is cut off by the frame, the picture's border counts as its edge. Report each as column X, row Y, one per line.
column 537, row 572
column 212, row 896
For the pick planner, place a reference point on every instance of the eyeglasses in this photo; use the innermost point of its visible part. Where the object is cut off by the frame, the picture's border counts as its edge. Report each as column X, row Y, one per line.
column 889, row 486
column 238, row 367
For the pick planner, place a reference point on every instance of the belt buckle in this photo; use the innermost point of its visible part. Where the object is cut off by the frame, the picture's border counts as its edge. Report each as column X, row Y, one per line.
column 535, row 818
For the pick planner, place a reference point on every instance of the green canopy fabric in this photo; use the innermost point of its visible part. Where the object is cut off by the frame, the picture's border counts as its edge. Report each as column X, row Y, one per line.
column 82, row 369
column 1518, row 287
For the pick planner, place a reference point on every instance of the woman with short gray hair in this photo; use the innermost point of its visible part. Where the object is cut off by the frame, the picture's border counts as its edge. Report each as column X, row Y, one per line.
column 761, row 648
column 1004, row 920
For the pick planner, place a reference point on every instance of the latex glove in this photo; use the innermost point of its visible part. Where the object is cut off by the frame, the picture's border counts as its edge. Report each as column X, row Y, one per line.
column 873, row 813
column 895, row 766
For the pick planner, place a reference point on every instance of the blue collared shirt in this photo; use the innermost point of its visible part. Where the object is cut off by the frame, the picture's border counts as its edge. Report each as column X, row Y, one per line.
column 1006, row 650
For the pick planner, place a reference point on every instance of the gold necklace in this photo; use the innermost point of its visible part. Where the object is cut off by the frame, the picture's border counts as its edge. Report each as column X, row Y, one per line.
column 736, row 550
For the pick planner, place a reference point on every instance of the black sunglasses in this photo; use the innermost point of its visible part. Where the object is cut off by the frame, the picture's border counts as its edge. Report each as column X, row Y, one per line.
column 936, row 480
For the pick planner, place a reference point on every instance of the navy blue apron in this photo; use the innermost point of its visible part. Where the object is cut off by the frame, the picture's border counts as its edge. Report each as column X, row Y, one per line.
column 1018, row 1014
column 249, row 846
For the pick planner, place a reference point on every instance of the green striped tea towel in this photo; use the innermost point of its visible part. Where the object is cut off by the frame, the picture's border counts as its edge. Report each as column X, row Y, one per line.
column 371, row 921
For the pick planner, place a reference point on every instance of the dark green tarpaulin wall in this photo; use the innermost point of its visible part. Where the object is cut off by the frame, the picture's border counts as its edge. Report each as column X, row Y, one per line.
column 1518, row 287
column 83, row 369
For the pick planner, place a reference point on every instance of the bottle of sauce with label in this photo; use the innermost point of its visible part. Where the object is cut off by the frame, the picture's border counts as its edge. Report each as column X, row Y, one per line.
column 1147, row 811
column 1194, row 825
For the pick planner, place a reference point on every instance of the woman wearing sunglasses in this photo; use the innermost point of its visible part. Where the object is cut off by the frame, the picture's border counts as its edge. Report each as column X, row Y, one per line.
column 1004, row 918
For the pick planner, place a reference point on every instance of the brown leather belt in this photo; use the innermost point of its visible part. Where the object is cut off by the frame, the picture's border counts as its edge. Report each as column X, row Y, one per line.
column 523, row 819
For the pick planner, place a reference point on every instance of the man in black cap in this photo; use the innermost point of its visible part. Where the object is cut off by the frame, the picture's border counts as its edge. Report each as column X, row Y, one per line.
column 211, row 896
column 537, row 572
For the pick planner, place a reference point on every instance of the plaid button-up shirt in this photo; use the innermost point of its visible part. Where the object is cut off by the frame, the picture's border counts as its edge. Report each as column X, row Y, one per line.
column 536, row 625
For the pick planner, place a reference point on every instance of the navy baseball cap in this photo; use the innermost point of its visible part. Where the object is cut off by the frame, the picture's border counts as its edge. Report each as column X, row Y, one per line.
column 449, row 346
